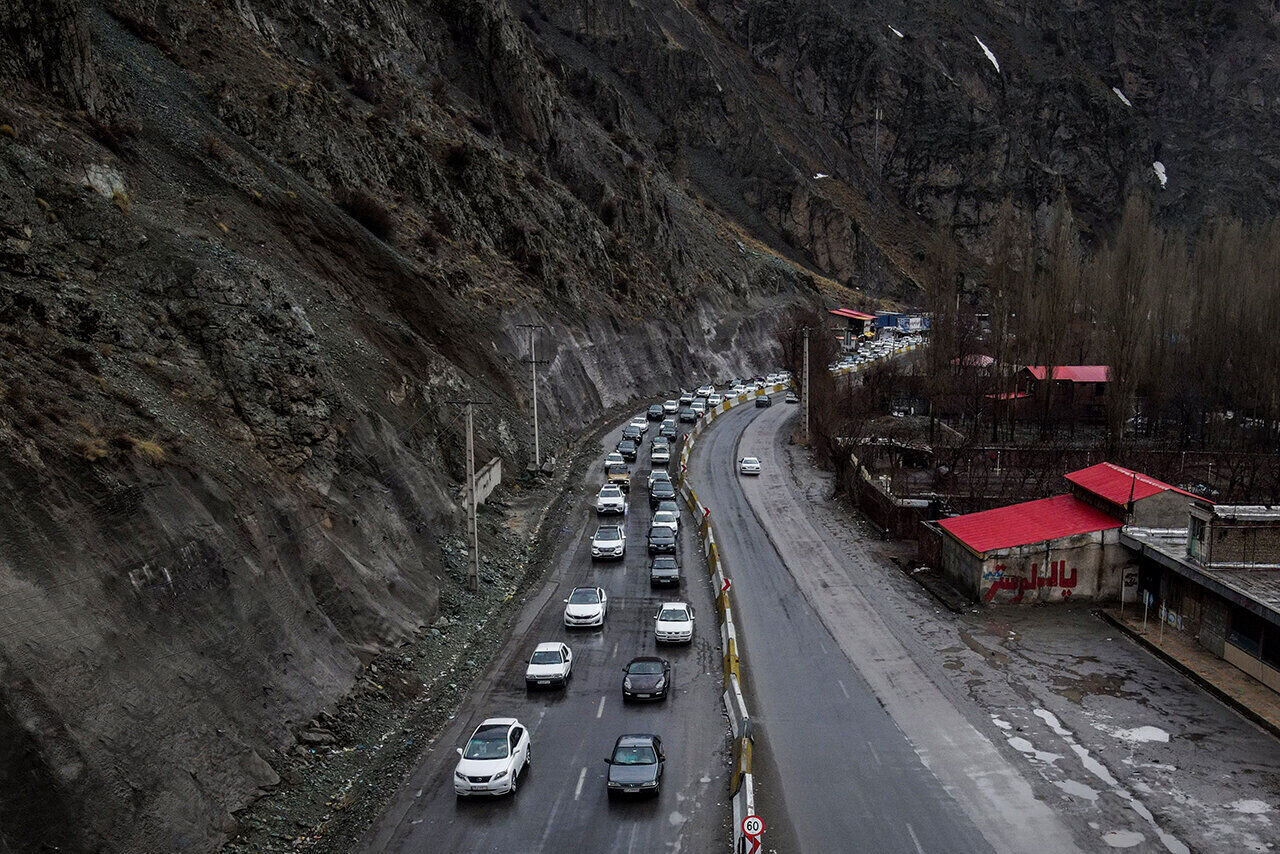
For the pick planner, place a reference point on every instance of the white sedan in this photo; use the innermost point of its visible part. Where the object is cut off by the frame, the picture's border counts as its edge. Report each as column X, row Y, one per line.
column 749, row 465
column 497, row 753
column 674, row 623
column 585, row 607
column 667, row 519
column 550, row 664
column 641, row 423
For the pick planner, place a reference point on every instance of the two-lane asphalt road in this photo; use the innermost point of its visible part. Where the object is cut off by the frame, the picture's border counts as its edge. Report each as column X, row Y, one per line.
column 857, row 750
column 562, row 805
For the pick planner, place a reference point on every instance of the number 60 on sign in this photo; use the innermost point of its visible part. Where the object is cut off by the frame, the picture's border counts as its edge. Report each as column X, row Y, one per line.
column 752, row 826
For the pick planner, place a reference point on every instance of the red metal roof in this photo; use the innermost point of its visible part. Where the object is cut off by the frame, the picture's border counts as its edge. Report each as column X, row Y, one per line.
column 1117, row 483
column 1074, row 373
column 850, row 313
column 1009, row 395
column 1027, row 523
column 974, row 360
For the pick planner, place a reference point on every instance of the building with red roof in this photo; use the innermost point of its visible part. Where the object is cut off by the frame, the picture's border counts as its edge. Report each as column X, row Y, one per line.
column 1136, row 498
column 857, row 324
column 1063, row 547
column 1077, row 392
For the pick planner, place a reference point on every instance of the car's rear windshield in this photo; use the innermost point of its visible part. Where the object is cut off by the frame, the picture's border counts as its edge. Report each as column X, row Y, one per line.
column 664, row 562
column 645, row 668
column 617, row 469
column 547, row 656
column 584, row 596
column 489, row 742
column 634, row 756
column 674, row 614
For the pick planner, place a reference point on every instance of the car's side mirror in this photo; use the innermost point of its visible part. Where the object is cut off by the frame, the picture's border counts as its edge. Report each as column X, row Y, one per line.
column 608, row 761
column 566, row 601
column 459, row 751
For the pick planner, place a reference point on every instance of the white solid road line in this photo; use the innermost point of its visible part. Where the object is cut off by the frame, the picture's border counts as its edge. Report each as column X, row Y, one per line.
column 600, row 709
column 615, row 651
column 577, row 790
column 843, row 689
column 914, row 839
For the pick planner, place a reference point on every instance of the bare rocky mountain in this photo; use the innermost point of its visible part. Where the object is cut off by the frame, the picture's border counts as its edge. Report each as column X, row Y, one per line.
column 252, row 254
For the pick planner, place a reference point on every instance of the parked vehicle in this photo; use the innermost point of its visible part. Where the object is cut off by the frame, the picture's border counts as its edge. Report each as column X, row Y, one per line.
column 646, row 677
column 610, row 541
column 673, row 623
column 635, row 765
column 664, row 571
column 497, row 753
column 586, row 607
column 550, row 665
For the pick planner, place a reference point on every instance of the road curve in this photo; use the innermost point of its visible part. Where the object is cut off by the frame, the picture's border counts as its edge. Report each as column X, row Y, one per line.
column 562, row 805
column 837, row 771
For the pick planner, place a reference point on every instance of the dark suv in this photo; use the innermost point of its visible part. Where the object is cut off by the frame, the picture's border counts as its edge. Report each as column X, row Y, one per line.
column 633, row 433
column 628, row 450
column 664, row 570
column 688, row 415
column 655, row 412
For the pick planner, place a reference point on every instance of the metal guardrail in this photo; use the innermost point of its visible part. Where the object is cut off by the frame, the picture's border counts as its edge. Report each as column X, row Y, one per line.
column 741, row 785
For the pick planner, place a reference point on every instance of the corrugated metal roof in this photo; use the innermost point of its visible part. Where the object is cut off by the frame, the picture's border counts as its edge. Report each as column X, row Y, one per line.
column 1026, row 523
column 1074, row 373
column 850, row 313
column 1117, row 483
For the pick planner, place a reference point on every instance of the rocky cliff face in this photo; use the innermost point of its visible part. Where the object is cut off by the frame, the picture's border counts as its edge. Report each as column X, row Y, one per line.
column 252, row 254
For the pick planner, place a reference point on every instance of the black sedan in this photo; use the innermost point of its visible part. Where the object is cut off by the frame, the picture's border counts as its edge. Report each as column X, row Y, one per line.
column 647, row 678
column 635, row 766
column 628, row 450
column 633, row 433
column 661, row 540
column 662, row 490
column 763, row 402
column 655, row 412
column 664, row 571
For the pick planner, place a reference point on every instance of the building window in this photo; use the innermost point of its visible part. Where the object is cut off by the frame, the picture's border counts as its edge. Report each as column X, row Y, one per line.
column 1246, row 631
column 1195, row 543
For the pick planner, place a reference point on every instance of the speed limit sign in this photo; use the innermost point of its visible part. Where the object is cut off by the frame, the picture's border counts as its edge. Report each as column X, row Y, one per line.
column 752, row 826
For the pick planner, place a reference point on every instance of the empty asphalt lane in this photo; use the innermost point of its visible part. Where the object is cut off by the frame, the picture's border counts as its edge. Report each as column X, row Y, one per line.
column 847, row 779
column 562, row 805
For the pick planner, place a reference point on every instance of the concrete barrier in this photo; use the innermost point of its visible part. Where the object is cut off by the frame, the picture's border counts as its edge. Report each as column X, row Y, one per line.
column 741, row 784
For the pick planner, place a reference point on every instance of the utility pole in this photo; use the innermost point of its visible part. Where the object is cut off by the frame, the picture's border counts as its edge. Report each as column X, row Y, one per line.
column 533, row 365
column 473, row 521
column 805, row 389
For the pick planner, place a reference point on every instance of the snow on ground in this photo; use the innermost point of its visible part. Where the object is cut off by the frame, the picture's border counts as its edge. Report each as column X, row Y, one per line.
column 1251, row 806
column 818, row 176
column 895, row 31
column 991, row 56
column 1142, row 733
column 1161, row 175
column 1121, row 96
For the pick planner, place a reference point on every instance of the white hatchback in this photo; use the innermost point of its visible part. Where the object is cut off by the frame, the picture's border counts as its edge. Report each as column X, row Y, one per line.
column 497, row 753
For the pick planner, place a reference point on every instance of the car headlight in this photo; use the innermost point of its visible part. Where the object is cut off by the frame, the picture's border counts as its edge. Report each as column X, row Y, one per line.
column 662, row 683
column 626, row 683
column 649, row 785
column 458, row 775
column 499, row 775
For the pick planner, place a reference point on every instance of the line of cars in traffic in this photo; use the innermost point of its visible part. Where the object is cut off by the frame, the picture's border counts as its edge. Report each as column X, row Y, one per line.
column 499, row 750
column 873, row 351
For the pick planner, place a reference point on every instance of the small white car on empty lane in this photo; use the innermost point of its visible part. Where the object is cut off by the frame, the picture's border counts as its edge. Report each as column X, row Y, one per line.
column 673, row 623
column 497, row 753
column 586, row 607
column 551, row 665
column 749, row 465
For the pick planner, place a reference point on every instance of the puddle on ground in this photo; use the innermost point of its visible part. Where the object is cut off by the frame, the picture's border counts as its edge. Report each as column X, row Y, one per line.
column 1122, row 838
column 1075, row 787
column 1076, row 689
column 1021, row 745
column 1139, row 734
